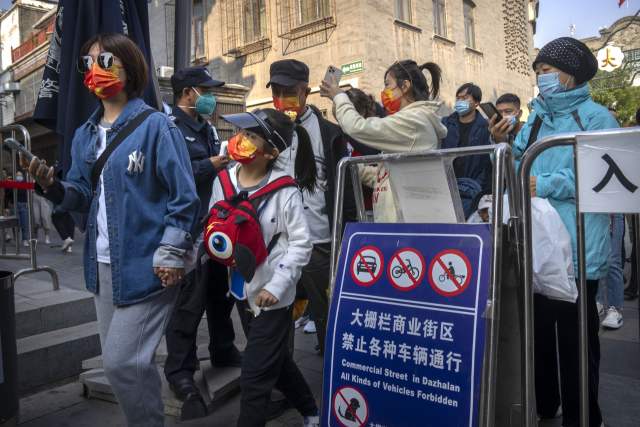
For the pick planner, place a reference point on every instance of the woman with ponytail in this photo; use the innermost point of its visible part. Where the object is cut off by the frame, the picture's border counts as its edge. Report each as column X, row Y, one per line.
column 412, row 123
column 265, row 300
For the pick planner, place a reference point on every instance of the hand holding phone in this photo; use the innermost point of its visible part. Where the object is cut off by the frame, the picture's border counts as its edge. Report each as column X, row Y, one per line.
column 28, row 155
column 329, row 88
column 335, row 72
column 490, row 110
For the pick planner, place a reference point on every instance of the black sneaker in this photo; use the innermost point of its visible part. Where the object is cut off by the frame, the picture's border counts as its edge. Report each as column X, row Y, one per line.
column 185, row 390
column 276, row 408
column 631, row 291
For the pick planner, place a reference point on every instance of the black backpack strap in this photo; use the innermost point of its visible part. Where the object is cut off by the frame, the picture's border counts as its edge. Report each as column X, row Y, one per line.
column 121, row 136
column 535, row 129
column 272, row 243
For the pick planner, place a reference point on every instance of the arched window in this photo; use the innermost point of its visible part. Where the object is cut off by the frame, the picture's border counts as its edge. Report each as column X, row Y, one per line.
column 469, row 24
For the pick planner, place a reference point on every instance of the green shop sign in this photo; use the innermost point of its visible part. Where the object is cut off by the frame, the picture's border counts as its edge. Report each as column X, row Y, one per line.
column 352, row 68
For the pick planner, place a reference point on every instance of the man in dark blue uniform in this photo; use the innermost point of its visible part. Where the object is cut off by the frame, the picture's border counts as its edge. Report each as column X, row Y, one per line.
column 192, row 99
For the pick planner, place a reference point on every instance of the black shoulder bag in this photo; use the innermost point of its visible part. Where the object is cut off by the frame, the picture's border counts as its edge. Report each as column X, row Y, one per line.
column 121, row 136
column 535, row 129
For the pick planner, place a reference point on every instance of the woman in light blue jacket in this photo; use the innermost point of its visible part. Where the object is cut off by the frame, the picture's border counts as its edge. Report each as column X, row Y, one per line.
column 563, row 68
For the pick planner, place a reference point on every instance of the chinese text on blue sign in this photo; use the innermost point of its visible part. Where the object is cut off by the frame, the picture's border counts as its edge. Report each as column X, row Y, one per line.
column 406, row 336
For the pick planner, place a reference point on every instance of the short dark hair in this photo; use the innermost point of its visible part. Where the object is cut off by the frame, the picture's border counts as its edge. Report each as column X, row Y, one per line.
column 509, row 98
column 132, row 60
column 472, row 90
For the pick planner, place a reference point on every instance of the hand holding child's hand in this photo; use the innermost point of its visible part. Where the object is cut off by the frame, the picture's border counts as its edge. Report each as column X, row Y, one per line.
column 266, row 299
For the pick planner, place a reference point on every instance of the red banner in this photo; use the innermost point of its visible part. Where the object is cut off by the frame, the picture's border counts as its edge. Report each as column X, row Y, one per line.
column 18, row 185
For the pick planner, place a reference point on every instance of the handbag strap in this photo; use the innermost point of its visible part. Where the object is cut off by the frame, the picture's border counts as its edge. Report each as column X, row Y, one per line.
column 121, row 136
column 535, row 129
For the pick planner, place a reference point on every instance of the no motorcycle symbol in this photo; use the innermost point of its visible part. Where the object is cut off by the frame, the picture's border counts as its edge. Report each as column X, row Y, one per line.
column 450, row 272
column 350, row 407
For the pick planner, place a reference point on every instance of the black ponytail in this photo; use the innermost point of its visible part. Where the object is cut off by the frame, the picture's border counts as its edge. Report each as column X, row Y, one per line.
column 305, row 167
column 409, row 70
column 305, row 170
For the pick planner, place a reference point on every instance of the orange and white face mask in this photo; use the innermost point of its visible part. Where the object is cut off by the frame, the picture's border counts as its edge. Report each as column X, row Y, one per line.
column 391, row 104
column 104, row 83
column 242, row 150
column 287, row 104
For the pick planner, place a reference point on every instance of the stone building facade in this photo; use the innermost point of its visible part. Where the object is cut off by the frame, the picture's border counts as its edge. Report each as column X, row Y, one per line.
column 489, row 42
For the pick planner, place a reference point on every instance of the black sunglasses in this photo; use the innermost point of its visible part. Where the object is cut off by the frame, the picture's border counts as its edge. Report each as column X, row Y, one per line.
column 104, row 61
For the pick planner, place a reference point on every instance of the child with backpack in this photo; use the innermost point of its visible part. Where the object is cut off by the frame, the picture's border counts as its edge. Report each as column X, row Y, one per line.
column 257, row 226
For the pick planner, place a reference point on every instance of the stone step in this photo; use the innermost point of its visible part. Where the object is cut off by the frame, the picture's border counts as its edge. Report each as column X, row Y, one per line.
column 51, row 356
column 39, row 309
column 96, row 385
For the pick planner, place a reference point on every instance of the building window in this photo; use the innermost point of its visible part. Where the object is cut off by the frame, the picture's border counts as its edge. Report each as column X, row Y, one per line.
column 197, row 50
column 301, row 18
column 439, row 18
column 245, row 27
column 403, row 10
column 469, row 25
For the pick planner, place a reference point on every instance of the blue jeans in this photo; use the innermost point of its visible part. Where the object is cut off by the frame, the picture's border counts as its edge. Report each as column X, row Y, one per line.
column 23, row 217
column 614, row 279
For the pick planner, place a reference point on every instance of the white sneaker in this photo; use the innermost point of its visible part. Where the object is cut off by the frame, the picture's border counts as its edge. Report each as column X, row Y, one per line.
column 302, row 321
column 613, row 319
column 25, row 243
column 600, row 308
column 46, row 240
column 311, row 421
column 310, row 328
column 68, row 249
column 67, row 244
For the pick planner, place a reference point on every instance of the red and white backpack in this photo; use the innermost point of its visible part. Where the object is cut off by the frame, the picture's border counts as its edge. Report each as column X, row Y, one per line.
column 232, row 235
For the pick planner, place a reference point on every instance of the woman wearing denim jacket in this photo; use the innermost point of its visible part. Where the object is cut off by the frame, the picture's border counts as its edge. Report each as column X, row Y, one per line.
column 140, row 219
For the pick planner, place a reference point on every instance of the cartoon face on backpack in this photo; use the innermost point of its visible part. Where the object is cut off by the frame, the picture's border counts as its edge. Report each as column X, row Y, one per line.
column 232, row 235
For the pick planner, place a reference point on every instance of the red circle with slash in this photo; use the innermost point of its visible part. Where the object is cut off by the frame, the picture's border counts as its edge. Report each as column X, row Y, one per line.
column 367, row 266
column 443, row 280
column 350, row 405
column 406, row 269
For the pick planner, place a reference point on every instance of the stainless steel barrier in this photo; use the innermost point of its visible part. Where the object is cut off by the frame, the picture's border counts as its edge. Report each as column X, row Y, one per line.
column 32, row 242
column 524, row 189
column 504, row 164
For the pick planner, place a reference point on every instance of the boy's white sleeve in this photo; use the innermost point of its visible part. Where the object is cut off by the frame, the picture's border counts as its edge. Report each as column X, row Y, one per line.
column 297, row 256
column 368, row 174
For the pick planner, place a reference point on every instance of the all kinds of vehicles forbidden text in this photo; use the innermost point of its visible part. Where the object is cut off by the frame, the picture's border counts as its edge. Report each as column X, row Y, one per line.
column 405, row 345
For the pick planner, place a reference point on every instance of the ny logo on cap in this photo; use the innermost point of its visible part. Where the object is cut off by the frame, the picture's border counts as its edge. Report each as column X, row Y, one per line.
column 136, row 162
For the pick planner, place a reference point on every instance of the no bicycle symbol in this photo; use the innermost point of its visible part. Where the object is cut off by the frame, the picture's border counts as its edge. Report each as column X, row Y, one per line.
column 367, row 266
column 350, row 407
column 406, row 269
column 450, row 272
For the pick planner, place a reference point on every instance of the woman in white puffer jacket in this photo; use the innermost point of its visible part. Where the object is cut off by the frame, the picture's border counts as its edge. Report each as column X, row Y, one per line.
column 412, row 124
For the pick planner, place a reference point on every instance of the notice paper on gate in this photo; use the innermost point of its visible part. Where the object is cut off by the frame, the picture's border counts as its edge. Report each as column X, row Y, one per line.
column 406, row 335
column 608, row 172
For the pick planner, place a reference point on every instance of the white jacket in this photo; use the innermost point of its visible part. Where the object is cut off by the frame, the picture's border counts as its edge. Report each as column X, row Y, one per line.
column 280, row 273
column 416, row 127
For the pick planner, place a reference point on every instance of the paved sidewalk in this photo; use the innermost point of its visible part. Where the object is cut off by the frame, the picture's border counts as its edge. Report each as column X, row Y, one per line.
column 65, row 406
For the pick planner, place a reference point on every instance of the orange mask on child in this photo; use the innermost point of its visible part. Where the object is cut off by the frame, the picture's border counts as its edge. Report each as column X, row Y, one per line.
column 242, row 150
column 390, row 104
column 287, row 104
column 104, row 83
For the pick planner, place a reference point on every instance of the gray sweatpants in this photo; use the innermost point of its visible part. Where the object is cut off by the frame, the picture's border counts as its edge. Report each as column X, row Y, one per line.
column 129, row 336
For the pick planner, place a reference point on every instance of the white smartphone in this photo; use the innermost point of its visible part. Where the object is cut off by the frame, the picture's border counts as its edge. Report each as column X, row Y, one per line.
column 335, row 72
column 28, row 155
column 223, row 148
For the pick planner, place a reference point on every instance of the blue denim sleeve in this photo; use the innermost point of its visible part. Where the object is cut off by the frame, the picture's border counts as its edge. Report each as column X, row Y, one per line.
column 77, row 195
column 173, row 169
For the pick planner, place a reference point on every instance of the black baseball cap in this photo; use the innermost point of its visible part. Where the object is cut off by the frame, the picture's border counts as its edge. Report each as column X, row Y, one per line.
column 288, row 72
column 193, row 76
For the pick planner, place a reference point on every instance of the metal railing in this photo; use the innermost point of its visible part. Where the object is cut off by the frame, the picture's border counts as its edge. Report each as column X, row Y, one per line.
column 32, row 242
column 524, row 189
column 504, row 164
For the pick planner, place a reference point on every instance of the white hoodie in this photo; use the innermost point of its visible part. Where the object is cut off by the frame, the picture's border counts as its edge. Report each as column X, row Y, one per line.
column 416, row 127
column 280, row 273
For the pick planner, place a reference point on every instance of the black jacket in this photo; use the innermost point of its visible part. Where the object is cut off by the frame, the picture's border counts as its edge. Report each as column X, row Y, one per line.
column 335, row 149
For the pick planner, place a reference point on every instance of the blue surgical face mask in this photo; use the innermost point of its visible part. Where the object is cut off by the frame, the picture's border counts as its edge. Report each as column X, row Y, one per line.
column 19, row 178
column 548, row 84
column 462, row 107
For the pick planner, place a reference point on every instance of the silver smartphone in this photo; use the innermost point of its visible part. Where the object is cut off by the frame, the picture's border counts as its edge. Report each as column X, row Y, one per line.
column 335, row 72
column 28, row 155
